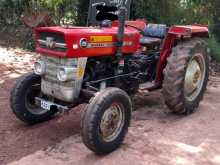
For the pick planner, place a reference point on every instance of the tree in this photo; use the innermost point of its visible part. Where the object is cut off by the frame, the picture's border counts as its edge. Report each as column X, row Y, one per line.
column 216, row 18
column 82, row 10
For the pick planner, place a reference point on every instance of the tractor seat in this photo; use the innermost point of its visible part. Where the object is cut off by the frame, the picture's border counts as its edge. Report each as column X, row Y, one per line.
column 153, row 34
column 155, row 30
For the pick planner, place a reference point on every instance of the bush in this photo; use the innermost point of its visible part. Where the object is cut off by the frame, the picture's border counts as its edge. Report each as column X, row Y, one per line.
column 214, row 47
column 10, row 11
column 30, row 44
column 62, row 11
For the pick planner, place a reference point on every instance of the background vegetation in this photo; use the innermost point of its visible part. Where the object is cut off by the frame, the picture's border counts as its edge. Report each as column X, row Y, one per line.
column 159, row 11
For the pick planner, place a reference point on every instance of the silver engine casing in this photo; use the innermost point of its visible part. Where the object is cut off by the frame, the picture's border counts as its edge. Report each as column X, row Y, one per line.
column 66, row 91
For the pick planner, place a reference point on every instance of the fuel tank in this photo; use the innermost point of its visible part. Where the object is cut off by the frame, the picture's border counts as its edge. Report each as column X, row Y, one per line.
column 72, row 42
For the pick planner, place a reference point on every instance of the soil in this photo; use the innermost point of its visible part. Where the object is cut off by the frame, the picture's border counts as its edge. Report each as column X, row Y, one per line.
column 156, row 137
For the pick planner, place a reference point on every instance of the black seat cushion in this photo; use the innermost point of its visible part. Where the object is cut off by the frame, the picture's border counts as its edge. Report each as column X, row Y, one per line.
column 155, row 30
column 150, row 41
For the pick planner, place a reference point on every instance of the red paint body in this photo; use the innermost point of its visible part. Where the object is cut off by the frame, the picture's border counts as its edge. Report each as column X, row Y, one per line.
column 74, row 34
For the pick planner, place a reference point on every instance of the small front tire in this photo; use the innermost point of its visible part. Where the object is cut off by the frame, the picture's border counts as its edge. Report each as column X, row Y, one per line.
column 22, row 100
column 106, row 121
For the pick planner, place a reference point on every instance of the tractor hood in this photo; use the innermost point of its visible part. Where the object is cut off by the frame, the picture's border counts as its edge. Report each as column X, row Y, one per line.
column 75, row 42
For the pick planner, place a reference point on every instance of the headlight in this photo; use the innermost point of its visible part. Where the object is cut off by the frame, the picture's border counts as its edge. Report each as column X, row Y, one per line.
column 40, row 67
column 66, row 74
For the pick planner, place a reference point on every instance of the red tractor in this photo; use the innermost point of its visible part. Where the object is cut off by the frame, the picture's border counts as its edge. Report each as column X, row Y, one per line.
column 105, row 64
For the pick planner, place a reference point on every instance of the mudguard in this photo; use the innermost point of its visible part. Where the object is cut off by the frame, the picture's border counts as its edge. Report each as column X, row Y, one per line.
column 175, row 35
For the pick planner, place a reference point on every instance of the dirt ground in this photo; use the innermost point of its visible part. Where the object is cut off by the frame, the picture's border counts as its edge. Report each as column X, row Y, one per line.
column 155, row 137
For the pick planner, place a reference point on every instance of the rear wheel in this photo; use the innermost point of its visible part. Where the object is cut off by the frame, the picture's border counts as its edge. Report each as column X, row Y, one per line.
column 106, row 121
column 186, row 76
column 22, row 100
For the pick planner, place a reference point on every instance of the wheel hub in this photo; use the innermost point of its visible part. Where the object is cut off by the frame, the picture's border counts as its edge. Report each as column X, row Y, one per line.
column 194, row 78
column 33, row 92
column 111, row 123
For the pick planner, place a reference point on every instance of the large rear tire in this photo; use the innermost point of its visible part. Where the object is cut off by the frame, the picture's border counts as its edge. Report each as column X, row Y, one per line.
column 106, row 121
column 22, row 100
column 186, row 76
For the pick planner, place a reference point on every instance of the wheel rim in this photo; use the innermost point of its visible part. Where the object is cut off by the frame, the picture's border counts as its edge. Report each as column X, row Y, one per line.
column 32, row 92
column 112, row 122
column 195, row 76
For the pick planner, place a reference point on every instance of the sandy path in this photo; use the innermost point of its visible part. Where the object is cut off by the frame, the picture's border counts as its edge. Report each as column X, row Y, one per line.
column 155, row 137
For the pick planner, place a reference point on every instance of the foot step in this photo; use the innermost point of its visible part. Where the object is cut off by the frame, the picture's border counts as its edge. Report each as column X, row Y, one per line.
column 146, row 86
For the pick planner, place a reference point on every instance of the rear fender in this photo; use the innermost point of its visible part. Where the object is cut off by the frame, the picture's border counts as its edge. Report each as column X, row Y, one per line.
column 189, row 31
column 177, row 34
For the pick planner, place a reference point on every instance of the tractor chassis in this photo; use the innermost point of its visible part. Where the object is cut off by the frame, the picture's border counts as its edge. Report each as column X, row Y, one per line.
column 87, row 94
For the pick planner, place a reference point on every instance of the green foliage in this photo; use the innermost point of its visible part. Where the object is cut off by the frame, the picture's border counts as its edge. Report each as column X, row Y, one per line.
column 62, row 11
column 82, row 10
column 158, row 11
column 30, row 45
column 172, row 11
column 10, row 11
column 214, row 47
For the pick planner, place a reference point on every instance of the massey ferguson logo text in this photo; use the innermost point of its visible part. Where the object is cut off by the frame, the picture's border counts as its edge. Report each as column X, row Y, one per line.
column 50, row 43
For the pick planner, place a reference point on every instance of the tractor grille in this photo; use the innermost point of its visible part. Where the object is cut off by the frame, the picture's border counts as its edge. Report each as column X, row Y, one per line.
column 52, row 41
column 52, row 66
column 51, row 86
column 51, row 70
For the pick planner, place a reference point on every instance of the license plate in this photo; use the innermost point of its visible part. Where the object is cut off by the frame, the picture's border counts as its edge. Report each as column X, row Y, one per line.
column 45, row 105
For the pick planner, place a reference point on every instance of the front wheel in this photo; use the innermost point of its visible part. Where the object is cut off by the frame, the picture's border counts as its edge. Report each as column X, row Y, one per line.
column 106, row 121
column 22, row 100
